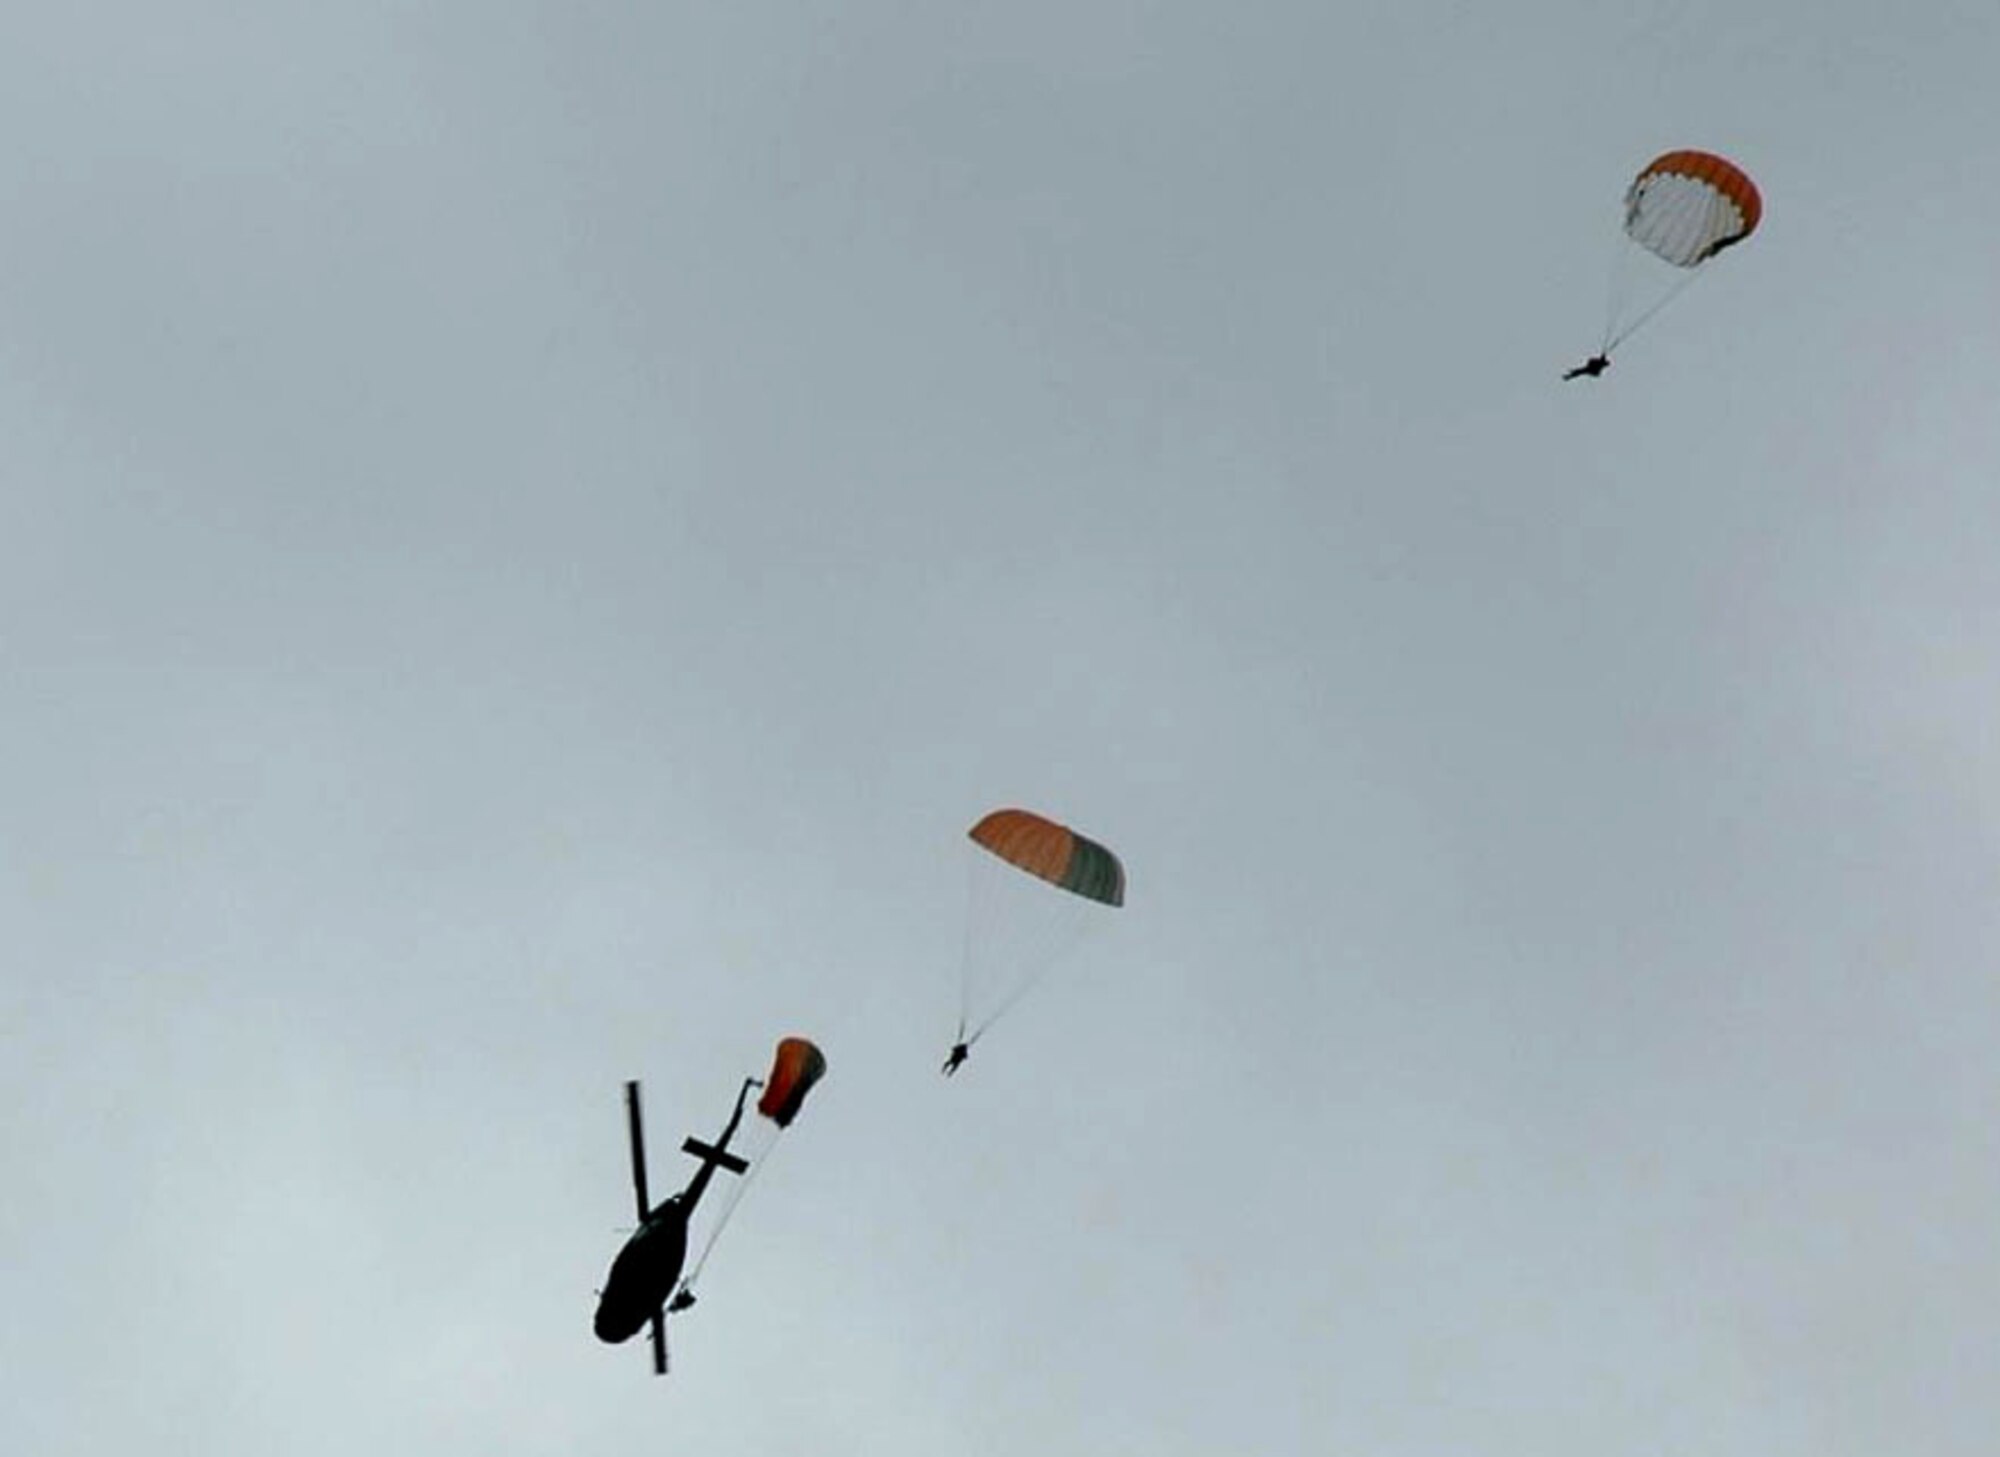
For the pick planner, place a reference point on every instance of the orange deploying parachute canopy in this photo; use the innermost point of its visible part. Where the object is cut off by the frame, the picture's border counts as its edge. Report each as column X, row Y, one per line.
column 797, row 1066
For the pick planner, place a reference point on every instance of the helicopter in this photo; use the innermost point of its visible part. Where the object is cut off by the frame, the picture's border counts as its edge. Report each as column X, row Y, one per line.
column 640, row 1287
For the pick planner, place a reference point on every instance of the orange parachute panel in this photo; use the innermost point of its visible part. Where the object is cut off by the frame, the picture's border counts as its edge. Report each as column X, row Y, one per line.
column 797, row 1066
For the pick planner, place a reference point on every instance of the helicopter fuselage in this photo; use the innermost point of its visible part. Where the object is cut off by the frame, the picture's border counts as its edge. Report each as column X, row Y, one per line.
column 643, row 1275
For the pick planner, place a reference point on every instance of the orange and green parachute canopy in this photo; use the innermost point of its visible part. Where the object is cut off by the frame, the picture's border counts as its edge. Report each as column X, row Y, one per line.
column 797, row 1066
column 1054, row 853
column 1687, row 206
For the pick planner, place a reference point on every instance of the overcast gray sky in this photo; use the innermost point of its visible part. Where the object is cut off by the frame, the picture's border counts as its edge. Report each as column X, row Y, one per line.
column 528, row 532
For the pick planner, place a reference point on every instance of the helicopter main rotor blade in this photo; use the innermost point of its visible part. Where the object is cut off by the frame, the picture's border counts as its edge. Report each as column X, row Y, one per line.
column 638, row 1152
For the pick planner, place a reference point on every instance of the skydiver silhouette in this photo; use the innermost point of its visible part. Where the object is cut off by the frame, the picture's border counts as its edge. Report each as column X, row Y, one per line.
column 959, row 1052
column 1593, row 366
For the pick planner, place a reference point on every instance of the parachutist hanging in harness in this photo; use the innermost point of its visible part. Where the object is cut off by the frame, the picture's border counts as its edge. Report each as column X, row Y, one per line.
column 1593, row 366
column 959, row 1052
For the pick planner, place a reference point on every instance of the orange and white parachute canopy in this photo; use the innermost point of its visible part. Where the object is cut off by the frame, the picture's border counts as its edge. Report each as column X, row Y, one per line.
column 1687, row 206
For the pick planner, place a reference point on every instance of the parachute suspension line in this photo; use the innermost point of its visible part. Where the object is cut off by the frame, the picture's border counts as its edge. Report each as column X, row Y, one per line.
column 1037, row 957
column 1017, row 929
column 1004, row 1005
column 972, row 899
column 1618, row 289
column 736, row 1193
column 1680, row 286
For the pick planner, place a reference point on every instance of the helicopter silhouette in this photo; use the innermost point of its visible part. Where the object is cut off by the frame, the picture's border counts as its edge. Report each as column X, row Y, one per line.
column 640, row 1287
